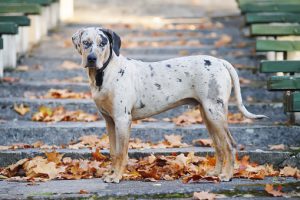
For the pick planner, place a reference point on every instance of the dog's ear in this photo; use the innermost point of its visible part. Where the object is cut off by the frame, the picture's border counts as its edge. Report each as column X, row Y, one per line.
column 76, row 39
column 114, row 39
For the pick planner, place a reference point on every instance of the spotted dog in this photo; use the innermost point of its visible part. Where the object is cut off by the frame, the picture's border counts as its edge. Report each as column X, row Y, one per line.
column 125, row 89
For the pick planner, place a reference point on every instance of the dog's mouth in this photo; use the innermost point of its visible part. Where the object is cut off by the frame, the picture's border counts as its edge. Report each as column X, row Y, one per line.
column 90, row 65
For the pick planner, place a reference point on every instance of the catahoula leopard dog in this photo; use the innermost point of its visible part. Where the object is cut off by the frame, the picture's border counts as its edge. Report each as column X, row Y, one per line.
column 125, row 89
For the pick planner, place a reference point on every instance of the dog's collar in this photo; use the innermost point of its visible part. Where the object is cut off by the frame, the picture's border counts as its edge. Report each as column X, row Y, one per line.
column 100, row 72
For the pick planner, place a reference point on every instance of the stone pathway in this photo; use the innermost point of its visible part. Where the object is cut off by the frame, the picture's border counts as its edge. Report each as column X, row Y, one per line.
column 47, row 68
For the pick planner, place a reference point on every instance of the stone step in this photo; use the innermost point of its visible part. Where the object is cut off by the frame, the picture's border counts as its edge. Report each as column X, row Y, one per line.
column 258, row 135
column 252, row 92
column 273, row 110
column 259, row 156
column 240, row 189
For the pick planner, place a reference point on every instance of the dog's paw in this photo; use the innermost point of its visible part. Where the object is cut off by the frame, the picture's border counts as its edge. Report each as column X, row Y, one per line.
column 225, row 177
column 112, row 178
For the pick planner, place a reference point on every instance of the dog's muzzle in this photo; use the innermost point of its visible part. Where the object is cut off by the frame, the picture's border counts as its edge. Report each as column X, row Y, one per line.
column 91, row 60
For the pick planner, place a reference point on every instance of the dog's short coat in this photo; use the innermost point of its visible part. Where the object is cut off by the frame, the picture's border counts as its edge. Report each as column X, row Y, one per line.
column 125, row 89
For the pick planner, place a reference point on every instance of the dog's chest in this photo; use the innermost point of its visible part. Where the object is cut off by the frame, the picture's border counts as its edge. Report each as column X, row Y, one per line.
column 103, row 100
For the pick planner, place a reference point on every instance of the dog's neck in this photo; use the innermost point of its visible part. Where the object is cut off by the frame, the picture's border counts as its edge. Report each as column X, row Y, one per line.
column 96, row 76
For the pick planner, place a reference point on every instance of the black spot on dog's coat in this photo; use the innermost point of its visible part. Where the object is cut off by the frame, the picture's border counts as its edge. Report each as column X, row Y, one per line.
column 121, row 72
column 220, row 101
column 168, row 65
column 207, row 63
column 142, row 105
column 179, row 80
column 158, row 86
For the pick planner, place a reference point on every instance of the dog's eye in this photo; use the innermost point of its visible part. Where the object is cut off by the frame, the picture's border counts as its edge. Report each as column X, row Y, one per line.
column 102, row 44
column 87, row 43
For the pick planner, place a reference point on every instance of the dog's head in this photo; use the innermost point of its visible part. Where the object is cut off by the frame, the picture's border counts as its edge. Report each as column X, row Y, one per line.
column 95, row 45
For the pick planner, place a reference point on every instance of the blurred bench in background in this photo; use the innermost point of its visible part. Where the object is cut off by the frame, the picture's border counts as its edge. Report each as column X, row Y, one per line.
column 23, row 23
column 275, row 23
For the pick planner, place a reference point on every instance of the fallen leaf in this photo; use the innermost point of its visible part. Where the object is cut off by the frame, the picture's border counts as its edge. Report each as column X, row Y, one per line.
column 270, row 190
column 21, row 109
column 204, row 196
column 9, row 79
column 224, row 40
column 66, row 94
column 83, row 192
column 67, row 64
column 22, row 68
column 203, row 142
column 288, row 171
column 277, row 147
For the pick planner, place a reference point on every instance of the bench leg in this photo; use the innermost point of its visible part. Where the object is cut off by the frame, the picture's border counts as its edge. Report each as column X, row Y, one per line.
column 9, row 50
column 35, row 30
column 66, row 9
column 1, row 63
column 44, row 21
column 24, row 39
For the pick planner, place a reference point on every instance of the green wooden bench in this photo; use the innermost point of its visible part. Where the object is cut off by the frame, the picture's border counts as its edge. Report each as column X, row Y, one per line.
column 40, row 2
column 275, row 29
column 292, row 102
column 19, row 20
column 269, row 17
column 285, row 66
column 273, row 19
column 247, row 6
column 8, row 28
column 25, row 8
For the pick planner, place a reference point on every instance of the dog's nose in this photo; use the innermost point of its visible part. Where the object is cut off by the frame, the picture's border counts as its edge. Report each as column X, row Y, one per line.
column 91, row 58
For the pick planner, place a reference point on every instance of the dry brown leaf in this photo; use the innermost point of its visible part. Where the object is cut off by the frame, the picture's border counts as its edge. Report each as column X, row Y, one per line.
column 83, row 192
column 9, row 79
column 54, row 157
column 289, row 171
column 67, row 64
column 57, row 114
column 270, row 190
column 204, row 196
column 174, row 140
column 21, row 109
column 66, row 94
column 22, row 68
column 277, row 147
column 203, row 142
column 224, row 40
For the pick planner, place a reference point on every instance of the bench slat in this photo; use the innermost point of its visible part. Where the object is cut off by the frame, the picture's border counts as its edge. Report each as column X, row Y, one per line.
column 274, row 29
column 276, row 45
column 1, row 43
column 270, row 7
column 8, row 28
column 41, row 2
column 243, row 2
column 283, row 83
column 25, row 8
column 20, row 20
column 285, row 66
column 272, row 17
column 292, row 102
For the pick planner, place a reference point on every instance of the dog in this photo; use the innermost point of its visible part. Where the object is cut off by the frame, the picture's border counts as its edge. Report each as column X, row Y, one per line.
column 124, row 89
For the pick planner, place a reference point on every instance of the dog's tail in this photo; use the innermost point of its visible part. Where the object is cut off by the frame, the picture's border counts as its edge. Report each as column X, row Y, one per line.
column 237, row 91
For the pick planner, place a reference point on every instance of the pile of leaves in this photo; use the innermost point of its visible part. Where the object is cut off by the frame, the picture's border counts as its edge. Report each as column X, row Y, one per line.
column 189, row 168
column 194, row 117
column 46, row 114
column 66, row 94
column 94, row 141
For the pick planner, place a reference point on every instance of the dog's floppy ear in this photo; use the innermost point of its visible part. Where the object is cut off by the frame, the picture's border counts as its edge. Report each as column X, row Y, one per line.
column 76, row 39
column 114, row 40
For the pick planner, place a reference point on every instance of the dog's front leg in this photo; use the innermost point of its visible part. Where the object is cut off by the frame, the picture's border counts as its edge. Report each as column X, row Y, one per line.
column 122, row 134
column 110, row 128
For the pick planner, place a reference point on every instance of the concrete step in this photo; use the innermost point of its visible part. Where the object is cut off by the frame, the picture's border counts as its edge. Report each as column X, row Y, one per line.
column 275, row 158
column 97, row 189
column 273, row 110
column 256, row 135
column 252, row 92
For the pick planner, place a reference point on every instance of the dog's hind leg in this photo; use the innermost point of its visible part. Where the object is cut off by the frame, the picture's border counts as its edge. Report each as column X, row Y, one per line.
column 216, row 145
column 216, row 123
